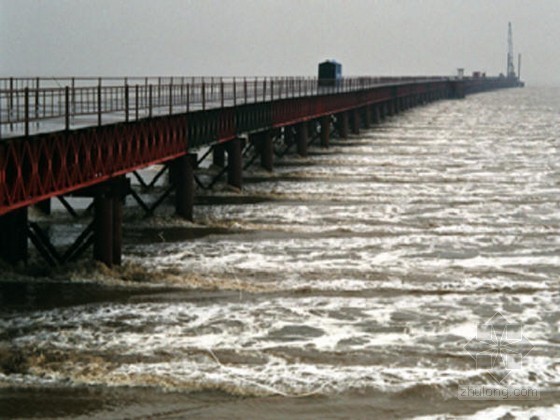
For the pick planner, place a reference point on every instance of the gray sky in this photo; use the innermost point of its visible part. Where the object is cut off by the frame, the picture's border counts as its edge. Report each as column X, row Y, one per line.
column 276, row 37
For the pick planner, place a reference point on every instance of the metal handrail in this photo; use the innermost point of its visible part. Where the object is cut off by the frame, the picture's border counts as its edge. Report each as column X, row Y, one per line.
column 26, row 102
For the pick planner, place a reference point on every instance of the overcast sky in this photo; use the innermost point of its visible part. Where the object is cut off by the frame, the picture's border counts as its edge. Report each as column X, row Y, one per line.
column 276, row 37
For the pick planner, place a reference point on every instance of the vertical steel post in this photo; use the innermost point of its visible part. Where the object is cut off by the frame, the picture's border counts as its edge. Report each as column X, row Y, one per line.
column 171, row 97
column 37, row 82
column 356, row 121
column 234, row 92
column 218, row 155
column 325, row 130
column 137, row 99
column 66, row 108
column 342, row 120
column 150, row 100
column 302, row 134
column 203, row 95
column 103, row 229
column 126, row 104
column 266, row 148
column 117, row 203
column 11, row 103
column 99, row 108
column 367, row 117
column 26, row 110
column 182, row 177
column 235, row 163
column 13, row 240
column 73, row 84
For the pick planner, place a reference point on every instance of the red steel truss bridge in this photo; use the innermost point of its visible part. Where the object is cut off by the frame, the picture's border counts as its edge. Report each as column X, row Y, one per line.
column 61, row 136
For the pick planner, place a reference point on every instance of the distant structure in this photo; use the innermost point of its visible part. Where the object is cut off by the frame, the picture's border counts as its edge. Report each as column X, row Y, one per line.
column 330, row 73
column 510, row 67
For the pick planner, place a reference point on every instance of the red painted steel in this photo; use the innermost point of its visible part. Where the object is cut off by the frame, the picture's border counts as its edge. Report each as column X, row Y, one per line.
column 36, row 168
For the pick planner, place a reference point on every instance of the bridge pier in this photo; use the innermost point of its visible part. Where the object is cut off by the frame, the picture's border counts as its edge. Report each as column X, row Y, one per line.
column 264, row 145
column 377, row 114
column 182, row 177
column 289, row 136
column 355, row 126
column 218, row 155
column 107, row 221
column 405, row 103
column 325, row 131
column 235, row 162
column 367, row 117
column 342, row 122
column 302, row 135
column 388, row 108
column 13, row 237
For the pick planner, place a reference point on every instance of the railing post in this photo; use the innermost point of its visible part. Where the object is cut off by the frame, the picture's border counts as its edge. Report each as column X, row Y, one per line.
column 222, row 93
column 99, row 102
column 137, row 99
column 171, row 97
column 26, row 111
column 37, row 82
column 126, row 105
column 203, row 95
column 158, row 102
column 264, row 89
column 234, row 92
column 256, row 88
column 245, row 89
column 150, row 87
column 11, row 103
column 73, row 95
column 272, row 89
column 188, row 97
column 67, row 110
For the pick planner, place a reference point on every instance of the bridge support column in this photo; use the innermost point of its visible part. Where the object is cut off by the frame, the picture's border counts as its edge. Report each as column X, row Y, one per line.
column 325, row 131
column 218, row 155
column 302, row 135
column 288, row 136
column 263, row 144
column 355, row 121
column 182, row 177
column 13, row 236
column 367, row 117
column 342, row 120
column 376, row 114
column 108, row 213
column 266, row 150
column 235, row 162
column 386, row 110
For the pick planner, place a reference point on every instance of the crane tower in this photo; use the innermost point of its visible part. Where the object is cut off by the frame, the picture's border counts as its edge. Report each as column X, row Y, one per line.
column 510, row 66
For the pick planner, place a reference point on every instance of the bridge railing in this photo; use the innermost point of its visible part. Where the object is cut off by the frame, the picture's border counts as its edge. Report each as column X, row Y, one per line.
column 36, row 105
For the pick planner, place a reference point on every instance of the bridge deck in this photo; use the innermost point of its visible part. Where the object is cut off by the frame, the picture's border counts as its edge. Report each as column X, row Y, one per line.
column 58, row 139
